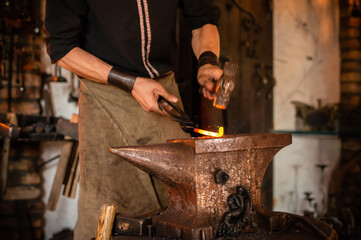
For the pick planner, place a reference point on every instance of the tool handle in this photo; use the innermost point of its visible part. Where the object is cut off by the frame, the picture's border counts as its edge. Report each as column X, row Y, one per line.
column 165, row 111
column 184, row 121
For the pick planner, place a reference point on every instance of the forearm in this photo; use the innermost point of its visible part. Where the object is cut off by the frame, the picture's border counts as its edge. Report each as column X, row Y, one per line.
column 145, row 90
column 205, row 39
column 85, row 65
column 205, row 43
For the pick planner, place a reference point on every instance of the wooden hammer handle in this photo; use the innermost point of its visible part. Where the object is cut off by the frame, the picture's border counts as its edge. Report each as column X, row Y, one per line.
column 105, row 222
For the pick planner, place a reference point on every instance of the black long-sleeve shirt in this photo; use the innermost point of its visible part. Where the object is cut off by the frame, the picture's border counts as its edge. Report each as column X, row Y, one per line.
column 135, row 35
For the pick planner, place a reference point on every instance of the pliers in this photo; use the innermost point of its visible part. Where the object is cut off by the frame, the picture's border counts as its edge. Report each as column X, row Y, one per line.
column 177, row 115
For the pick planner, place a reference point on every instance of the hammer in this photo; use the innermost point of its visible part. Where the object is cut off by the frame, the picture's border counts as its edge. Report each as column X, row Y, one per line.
column 225, row 85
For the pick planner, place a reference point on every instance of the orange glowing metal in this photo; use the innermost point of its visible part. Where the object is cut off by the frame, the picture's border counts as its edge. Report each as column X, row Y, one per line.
column 209, row 133
column 219, row 106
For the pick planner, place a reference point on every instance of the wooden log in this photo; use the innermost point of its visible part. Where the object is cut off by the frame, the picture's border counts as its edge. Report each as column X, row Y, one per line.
column 76, row 179
column 350, row 99
column 346, row 3
column 30, row 178
column 30, row 93
column 350, row 33
column 36, row 207
column 71, row 178
column 351, row 66
column 105, row 222
column 351, row 55
column 25, row 192
column 74, row 118
column 350, row 22
column 21, row 150
column 67, row 128
column 4, row 166
column 21, row 165
column 23, row 107
column 7, row 208
column 59, row 176
column 350, row 44
column 24, row 227
column 351, row 77
column 345, row 12
column 352, row 88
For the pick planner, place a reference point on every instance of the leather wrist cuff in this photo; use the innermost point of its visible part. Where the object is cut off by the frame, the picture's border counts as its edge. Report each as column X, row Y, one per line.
column 120, row 79
column 207, row 57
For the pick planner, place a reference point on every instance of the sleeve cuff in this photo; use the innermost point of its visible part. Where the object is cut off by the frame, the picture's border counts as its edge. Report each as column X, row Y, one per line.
column 210, row 17
column 58, row 51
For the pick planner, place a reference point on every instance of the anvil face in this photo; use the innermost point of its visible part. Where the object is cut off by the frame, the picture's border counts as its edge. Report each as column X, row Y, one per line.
column 214, row 183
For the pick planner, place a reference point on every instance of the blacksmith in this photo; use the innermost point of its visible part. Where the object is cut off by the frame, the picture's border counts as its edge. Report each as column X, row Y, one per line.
column 123, row 51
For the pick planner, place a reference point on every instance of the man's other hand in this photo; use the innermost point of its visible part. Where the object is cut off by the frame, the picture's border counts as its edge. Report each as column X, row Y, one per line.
column 146, row 91
column 207, row 76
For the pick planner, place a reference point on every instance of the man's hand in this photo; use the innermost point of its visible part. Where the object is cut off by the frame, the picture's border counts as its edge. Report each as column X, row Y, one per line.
column 146, row 91
column 207, row 76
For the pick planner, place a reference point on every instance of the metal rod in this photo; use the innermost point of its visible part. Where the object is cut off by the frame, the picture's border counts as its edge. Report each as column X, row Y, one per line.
column 10, row 75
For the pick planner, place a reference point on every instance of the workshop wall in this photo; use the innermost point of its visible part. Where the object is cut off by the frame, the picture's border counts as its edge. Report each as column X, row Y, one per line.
column 307, row 68
column 346, row 180
column 65, row 215
column 22, row 206
column 33, row 93
column 306, row 56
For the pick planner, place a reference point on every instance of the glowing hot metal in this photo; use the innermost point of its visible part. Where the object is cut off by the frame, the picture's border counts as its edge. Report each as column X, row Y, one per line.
column 209, row 133
column 220, row 106
column 184, row 121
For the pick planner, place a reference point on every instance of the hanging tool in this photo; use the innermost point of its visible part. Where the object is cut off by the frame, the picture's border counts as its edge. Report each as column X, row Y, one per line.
column 20, row 79
column 17, row 59
column 271, row 82
column 260, row 79
column 2, row 64
column 4, row 163
column 74, row 94
column 58, row 77
column 8, row 131
column 10, row 53
column 22, row 87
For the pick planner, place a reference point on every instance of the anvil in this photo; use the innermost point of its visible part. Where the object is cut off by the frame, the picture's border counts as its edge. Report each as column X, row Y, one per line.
column 215, row 186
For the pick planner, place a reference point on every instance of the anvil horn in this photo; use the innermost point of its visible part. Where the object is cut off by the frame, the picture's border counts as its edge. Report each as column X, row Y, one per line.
column 167, row 161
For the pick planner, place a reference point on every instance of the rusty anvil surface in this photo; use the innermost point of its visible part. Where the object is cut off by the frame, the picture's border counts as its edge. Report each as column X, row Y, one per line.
column 215, row 187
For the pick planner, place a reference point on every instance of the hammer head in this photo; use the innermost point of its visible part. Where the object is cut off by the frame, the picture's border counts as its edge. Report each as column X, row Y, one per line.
column 225, row 86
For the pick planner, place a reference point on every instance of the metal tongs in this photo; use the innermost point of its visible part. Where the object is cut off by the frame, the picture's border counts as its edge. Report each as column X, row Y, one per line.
column 177, row 115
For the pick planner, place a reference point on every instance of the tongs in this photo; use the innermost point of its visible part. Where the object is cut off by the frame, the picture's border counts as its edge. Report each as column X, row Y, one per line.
column 177, row 115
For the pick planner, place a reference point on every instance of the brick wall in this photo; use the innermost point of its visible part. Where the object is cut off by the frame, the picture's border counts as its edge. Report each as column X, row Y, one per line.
column 348, row 177
column 28, row 101
column 22, row 209
column 350, row 42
